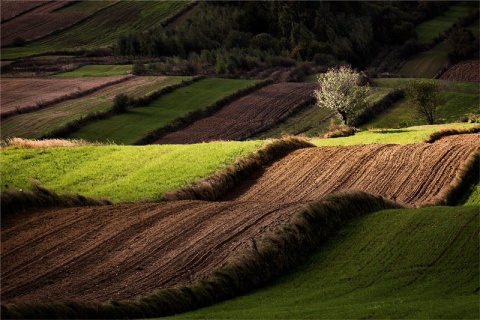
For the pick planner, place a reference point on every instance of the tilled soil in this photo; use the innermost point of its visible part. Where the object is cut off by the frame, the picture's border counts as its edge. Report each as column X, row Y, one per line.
column 409, row 174
column 245, row 116
column 123, row 251
column 463, row 71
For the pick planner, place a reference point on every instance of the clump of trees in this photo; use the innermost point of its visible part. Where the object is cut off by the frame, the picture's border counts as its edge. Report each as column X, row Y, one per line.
column 338, row 90
column 241, row 35
column 426, row 96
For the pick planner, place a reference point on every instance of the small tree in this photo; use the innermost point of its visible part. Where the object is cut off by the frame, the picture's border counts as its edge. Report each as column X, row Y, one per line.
column 425, row 96
column 120, row 103
column 339, row 91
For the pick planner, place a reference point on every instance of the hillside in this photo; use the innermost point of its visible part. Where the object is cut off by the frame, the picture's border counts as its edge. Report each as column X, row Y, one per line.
column 403, row 264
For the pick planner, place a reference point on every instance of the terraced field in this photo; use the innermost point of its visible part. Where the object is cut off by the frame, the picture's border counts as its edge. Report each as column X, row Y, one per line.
column 34, row 125
column 463, row 71
column 245, row 116
column 12, row 9
column 47, row 18
column 393, row 171
column 15, row 94
column 102, row 28
column 131, row 249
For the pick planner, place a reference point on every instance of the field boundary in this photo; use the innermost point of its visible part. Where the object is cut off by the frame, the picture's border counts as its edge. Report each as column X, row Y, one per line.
column 13, row 201
column 133, row 102
column 63, row 98
column 218, row 184
column 437, row 135
column 186, row 120
column 265, row 260
column 373, row 110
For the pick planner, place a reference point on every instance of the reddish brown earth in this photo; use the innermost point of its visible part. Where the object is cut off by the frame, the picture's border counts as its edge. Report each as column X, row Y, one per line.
column 41, row 21
column 410, row 174
column 18, row 93
column 245, row 116
column 122, row 251
column 463, row 71
column 471, row 138
column 126, row 250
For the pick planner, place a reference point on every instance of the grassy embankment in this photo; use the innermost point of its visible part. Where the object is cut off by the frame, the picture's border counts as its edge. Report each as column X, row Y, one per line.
column 129, row 127
column 101, row 29
column 96, row 71
column 428, row 63
column 34, row 125
column 120, row 173
column 396, row 263
column 461, row 99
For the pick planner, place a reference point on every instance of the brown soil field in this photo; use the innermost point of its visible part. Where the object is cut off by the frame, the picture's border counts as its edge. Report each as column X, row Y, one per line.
column 14, row 8
column 409, row 174
column 18, row 93
column 463, row 71
column 471, row 138
column 122, row 251
column 42, row 21
column 126, row 250
column 245, row 116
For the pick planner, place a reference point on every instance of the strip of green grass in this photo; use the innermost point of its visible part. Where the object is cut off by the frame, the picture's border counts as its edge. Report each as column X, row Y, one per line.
column 474, row 198
column 428, row 30
column 35, row 124
column 126, row 128
column 102, row 29
column 120, row 173
column 461, row 99
column 426, row 64
column 396, row 136
column 96, row 71
column 403, row 264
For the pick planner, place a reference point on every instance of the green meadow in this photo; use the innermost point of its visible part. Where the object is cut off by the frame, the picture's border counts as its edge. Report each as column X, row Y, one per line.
column 461, row 99
column 35, row 124
column 120, row 173
column 96, row 71
column 126, row 128
column 427, row 31
column 392, row 264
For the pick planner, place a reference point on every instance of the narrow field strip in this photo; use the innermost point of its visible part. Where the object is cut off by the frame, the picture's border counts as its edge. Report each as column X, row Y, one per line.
column 41, row 122
column 16, row 98
column 129, row 127
column 410, row 174
column 245, row 116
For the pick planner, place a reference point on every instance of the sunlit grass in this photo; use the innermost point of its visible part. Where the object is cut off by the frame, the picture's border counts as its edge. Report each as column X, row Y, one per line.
column 121, row 173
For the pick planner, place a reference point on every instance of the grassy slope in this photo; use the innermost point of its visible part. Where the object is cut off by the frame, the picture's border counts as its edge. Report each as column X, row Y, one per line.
column 121, row 173
column 102, row 29
column 419, row 263
column 428, row 63
column 428, row 30
column 462, row 98
column 396, row 136
column 34, row 125
column 129, row 127
column 96, row 71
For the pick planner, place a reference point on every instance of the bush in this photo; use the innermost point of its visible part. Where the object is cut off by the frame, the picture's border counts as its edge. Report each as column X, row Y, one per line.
column 120, row 103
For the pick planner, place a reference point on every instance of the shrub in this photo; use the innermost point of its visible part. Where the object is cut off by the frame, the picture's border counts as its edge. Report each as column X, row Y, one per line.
column 120, row 103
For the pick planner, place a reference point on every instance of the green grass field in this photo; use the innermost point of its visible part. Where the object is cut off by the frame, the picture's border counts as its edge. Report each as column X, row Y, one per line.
column 474, row 198
column 126, row 128
column 428, row 30
column 396, row 136
column 96, row 71
column 392, row 264
column 101, row 29
column 35, row 124
column 120, row 173
column 461, row 99
column 426, row 64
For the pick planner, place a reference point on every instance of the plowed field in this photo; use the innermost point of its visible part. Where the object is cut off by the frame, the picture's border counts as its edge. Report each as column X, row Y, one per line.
column 246, row 115
column 18, row 93
column 463, row 71
column 126, row 250
column 44, row 20
column 472, row 138
column 12, row 8
column 122, row 251
column 409, row 174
